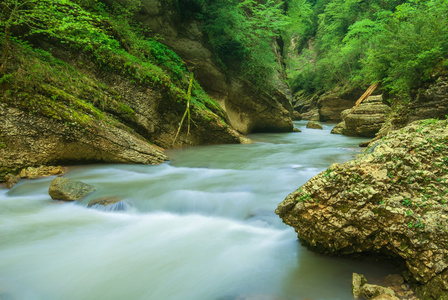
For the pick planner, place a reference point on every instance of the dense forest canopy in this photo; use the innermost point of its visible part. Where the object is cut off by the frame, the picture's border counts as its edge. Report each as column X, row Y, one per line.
column 334, row 43
column 351, row 43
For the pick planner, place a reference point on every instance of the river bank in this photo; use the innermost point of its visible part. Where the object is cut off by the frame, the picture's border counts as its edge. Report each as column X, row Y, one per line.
column 390, row 201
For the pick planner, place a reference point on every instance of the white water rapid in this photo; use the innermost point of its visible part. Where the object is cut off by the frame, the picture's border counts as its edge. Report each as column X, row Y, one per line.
column 201, row 227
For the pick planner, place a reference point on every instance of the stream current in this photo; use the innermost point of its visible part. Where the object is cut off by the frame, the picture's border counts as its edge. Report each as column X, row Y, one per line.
column 201, row 227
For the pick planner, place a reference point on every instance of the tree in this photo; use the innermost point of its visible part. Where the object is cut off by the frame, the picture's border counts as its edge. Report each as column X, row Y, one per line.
column 61, row 19
column 242, row 33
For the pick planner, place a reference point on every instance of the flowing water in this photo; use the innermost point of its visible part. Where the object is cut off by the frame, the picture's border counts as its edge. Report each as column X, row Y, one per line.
column 200, row 227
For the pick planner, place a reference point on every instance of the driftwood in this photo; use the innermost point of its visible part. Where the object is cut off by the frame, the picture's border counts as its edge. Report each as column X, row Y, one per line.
column 366, row 94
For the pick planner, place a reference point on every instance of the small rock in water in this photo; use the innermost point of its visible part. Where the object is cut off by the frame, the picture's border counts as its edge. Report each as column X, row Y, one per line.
column 296, row 130
column 69, row 190
column 314, row 125
column 108, row 204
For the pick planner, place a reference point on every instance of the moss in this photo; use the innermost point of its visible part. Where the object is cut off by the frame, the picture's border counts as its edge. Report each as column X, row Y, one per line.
column 54, row 80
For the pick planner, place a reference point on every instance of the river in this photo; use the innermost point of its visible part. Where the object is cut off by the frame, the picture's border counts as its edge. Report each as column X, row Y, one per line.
column 201, row 227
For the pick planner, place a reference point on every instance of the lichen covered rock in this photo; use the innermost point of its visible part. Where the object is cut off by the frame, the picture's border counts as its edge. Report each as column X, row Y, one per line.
column 332, row 105
column 431, row 102
column 69, row 190
column 392, row 200
column 314, row 125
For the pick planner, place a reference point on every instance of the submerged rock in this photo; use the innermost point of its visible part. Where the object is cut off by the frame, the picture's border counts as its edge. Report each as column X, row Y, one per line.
column 108, row 204
column 33, row 173
column 332, row 105
column 392, row 200
column 69, row 190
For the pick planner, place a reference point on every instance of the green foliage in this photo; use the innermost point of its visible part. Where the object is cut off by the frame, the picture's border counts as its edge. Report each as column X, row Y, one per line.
column 242, row 33
column 39, row 83
column 304, row 196
column 395, row 42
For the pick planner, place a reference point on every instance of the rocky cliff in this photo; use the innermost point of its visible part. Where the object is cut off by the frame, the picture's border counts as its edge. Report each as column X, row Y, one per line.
column 391, row 201
column 65, row 103
column 31, row 139
column 248, row 108
column 429, row 101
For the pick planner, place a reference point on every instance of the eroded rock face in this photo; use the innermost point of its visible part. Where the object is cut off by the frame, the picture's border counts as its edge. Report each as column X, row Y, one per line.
column 367, row 119
column 392, row 200
column 331, row 106
column 248, row 110
column 31, row 140
column 157, row 116
column 432, row 102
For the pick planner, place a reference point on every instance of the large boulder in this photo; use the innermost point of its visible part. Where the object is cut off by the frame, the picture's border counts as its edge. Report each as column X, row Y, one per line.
column 32, row 139
column 391, row 200
column 339, row 128
column 108, row 203
column 69, row 190
column 367, row 119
